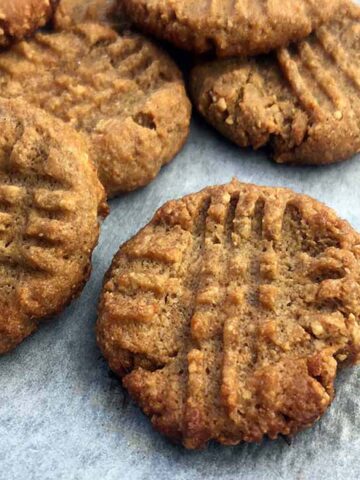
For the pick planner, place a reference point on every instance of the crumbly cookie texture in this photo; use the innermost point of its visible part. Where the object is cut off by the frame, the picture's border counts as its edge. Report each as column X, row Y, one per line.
column 125, row 95
column 73, row 12
column 50, row 197
column 228, row 315
column 303, row 101
column 240, row 27
column 19, row 18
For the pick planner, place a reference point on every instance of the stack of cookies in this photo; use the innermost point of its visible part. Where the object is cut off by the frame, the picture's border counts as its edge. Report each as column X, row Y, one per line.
column 228, row 315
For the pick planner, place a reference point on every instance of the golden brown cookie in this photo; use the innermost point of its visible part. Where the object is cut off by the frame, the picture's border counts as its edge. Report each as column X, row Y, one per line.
column 303, row 101
column 19, row 18
column 240, row 27
column 49, row 201
column 72, row 12
column 121, row 91
column 228, row 314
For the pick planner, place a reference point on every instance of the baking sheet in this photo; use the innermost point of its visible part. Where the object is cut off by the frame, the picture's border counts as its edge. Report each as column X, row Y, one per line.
column 63, row 416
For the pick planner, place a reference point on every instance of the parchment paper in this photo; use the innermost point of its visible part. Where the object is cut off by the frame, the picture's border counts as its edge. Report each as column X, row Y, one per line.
column 63, row 416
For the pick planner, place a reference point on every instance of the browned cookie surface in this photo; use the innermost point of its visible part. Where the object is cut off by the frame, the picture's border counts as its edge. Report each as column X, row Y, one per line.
column 19, row 18
column 228, row 314
column 230, row 27
column 121, row 91
column 303, row 101
column 72, row 12
column 49, row 201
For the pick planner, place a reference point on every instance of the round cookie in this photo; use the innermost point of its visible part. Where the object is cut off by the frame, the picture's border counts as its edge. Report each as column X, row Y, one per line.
column 72, row 12
column 228, row 314
column 122, row 92
column 303, row 101
column 241, row 27
column 50, row 197
column 19, row 18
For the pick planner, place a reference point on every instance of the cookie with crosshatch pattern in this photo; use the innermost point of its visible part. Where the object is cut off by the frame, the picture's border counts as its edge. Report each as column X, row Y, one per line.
column 50, row 198
column 230, row 27
column 302, row 101
column 228, row 315
column 123, row 93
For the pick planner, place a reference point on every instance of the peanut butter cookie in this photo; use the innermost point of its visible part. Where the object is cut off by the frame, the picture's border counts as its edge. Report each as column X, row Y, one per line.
column 230, row 27
column 72, row 12
column 19, row 18
column 228, row 315
column 124, row 94
column 49, row 201
column 303, row 101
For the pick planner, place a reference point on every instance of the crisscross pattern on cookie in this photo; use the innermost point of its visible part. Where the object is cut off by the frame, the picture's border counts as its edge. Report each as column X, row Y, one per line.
column 120, row 91
column 229, row 313
column 303, row 100
column 49, row 201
